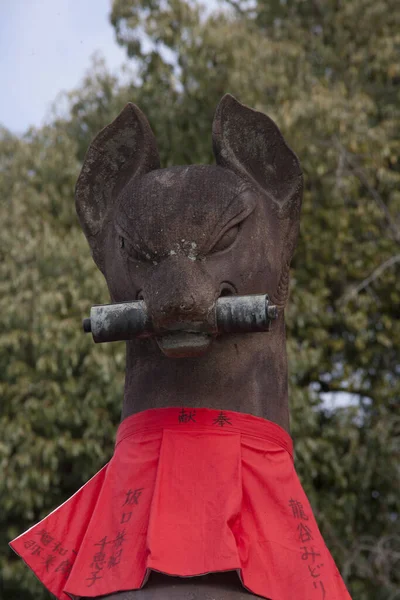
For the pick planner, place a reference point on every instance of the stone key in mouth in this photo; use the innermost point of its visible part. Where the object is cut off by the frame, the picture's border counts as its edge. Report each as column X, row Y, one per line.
column 130, row 320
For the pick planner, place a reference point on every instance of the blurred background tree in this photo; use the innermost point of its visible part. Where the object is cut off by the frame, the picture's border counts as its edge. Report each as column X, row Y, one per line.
column 329, row 74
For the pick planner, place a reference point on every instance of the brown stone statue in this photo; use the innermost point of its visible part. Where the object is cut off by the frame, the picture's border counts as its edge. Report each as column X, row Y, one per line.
column 180, row 238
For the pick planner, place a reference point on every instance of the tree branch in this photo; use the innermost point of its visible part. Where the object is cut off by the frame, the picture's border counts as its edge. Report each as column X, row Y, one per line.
column 362, row 177
column 366, row 282
column 235, row 5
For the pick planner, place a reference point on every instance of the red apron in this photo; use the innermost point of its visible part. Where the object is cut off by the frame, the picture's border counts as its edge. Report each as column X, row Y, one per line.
column 187, row 492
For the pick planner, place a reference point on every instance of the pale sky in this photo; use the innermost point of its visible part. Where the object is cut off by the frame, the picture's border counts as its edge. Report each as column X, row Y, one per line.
column 45, row 47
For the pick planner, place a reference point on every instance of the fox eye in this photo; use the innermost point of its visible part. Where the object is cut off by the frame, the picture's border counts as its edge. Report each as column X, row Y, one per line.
column 226, row 240
column 128, row 249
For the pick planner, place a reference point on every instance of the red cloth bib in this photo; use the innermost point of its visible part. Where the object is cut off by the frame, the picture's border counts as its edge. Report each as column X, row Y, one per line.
column 187, row 492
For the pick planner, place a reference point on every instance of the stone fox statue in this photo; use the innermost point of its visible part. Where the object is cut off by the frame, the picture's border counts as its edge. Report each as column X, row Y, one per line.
column 200, row 499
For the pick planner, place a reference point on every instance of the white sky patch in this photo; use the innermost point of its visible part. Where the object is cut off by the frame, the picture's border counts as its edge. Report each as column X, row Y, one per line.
column 335, row 400
column 45, row 47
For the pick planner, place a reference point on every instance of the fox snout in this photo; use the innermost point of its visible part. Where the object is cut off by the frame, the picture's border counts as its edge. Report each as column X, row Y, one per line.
column 180, row 295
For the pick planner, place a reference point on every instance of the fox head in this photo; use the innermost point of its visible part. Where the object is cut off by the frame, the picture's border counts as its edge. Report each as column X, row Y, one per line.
column 181, row 237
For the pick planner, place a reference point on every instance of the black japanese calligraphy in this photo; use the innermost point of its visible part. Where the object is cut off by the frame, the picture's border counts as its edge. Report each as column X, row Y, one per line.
column 222, row 420
column 45, row 537
column 49, row 561
column 92, row 580
column 117, row 549
column 99, row 557
column 319, row 585
column 297, row 510
column 120, row 539
column 132, row 496
column 34, row 547
column 109, row 552
column 185, row 416
column 98, row 561
column 58, row 548
column 307, row 553
column 314, row 571
column 114, row 559
column 126, row 517
column 102, row 543
column 304, row 533
column 65, row 567
column 50, row 552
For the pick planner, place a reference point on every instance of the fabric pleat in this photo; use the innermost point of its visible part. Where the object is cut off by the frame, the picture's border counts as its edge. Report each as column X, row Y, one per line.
column 187, row 492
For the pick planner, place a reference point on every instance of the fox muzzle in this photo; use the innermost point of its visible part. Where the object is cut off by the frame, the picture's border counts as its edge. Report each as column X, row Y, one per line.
column 131, row 320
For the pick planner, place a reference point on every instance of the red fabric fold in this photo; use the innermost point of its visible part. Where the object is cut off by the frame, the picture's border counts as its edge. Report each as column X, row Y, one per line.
column 187, row 492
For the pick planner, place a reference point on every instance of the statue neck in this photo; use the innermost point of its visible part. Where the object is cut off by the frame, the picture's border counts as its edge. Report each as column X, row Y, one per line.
column 245, row 373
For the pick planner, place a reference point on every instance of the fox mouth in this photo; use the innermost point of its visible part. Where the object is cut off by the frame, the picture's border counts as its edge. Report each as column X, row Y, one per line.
column 184, row 344
column 125, row 321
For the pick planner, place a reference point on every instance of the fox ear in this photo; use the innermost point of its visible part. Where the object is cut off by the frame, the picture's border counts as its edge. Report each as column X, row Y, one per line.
column 250, row 144
column 124, row 149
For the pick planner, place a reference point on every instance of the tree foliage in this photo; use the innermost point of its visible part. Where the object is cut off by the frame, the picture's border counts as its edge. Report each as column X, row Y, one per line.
column 329, row 74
